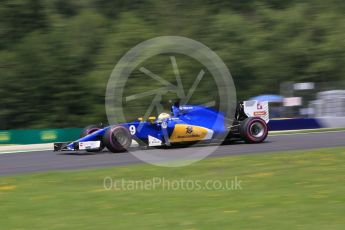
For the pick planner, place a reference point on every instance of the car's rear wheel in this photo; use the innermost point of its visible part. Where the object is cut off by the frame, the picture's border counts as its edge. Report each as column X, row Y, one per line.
column 117, row 139
column 253, row 130
column 91, row 129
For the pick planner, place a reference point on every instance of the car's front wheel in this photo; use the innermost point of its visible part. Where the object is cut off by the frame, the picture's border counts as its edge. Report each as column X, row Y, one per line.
column 117, row 139
column 253, row 130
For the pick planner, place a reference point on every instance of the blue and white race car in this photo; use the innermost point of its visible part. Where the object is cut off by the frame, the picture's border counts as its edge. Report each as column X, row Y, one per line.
column 185, row 124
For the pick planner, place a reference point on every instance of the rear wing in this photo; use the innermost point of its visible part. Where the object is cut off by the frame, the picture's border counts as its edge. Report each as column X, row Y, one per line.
column 256, row 109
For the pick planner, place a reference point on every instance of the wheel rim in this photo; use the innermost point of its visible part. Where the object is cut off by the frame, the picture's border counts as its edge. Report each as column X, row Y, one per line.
column 257, row 129
column 120, row 138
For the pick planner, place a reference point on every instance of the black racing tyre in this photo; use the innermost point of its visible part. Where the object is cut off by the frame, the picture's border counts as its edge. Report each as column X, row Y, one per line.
column 91, row 129
column 253, row 130
column 117, row 139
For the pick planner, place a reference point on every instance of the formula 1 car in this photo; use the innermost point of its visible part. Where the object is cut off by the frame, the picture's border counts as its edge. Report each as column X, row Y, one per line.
column 185, row 124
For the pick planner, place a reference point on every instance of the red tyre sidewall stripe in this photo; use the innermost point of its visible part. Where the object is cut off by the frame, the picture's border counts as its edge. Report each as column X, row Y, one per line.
column 90, row 131
column 250, row 126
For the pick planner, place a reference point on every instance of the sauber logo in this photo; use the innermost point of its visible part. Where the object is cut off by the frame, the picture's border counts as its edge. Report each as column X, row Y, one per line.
column 189, row 130
column 153, row 141
column 259, row 106
column 260, row 113
column 185, row 107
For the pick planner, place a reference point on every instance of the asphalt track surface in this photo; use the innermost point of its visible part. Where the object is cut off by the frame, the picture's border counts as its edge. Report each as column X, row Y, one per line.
column 18, row 163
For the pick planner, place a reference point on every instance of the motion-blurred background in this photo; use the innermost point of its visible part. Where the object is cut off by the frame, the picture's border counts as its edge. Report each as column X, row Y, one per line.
column 56, row 56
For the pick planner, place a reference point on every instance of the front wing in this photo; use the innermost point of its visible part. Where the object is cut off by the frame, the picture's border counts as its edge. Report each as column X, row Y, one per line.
column 76, row 146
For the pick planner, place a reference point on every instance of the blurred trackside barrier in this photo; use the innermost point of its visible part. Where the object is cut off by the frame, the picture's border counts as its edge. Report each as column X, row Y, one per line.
column 306, row 123
column 294, row 124
column 37, row 136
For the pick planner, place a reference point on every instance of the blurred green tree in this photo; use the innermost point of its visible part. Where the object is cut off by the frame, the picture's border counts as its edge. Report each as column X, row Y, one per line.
column 56, row 56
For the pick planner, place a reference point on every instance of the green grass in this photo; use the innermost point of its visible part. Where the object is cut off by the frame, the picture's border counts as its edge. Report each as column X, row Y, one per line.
column 299, row 190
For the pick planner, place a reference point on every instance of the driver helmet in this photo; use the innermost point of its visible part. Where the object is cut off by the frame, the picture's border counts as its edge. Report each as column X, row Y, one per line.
column 163, row 116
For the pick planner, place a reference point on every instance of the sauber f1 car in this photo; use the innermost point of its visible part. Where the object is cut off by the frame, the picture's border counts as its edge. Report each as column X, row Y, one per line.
column 186, row 124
